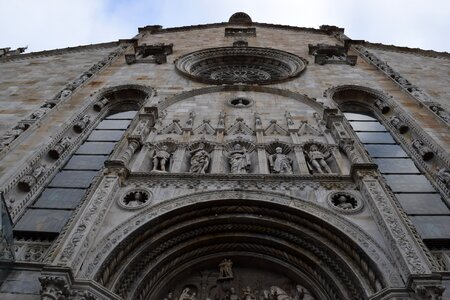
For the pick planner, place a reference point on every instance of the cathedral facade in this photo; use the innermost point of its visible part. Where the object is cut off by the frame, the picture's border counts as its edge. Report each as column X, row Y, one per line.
column 235, row 160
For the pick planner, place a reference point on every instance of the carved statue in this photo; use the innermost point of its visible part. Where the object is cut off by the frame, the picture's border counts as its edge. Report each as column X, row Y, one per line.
column 383, row 107
column 199, row 160
column 185, row 295
column 278, row 294
column 169, row 296
column 317, row 159
column 343, row 202
column 239, row 160
column 39, row 113
column 422, row 149
column 221, row 122
column 190, row 121
column 81, row 124
column 441, row 113
column 64, row 94
column 59, row 148
column 28, row 181
column 279, row 162
column 11, row 135
column 289, row 118
column 233, row 295
column 444, row 176
column 225, row 269
column 160, row 159
column 100, row 104
column 399, row 125
column 248, row 295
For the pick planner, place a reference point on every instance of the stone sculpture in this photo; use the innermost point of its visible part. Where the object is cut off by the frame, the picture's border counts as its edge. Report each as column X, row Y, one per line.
column 160, row 159
column 399, row 125
column 11, row 135
column 317, row 160
column 422, row 149
column 226, row 269
column 28, row 181
column 39, row 113
column 59, row 148
column 279, row 162
column 199, row 160
column 443, row 175
column 383, row 107
column 343, row 202
column 100, row 104
column 239, row 160
column 441, row 113
column 81, row 124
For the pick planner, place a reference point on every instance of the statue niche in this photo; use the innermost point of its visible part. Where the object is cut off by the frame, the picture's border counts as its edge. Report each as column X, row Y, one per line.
column 279, row 161
column 239, row 159
column 161, row 159
column 317, row 156
column 200, row 159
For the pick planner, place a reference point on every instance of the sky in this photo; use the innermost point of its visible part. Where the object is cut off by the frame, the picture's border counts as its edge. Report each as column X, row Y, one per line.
column 51, row 24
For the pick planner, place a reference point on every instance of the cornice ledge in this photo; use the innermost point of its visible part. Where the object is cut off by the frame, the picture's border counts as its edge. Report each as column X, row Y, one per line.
column 60, row 51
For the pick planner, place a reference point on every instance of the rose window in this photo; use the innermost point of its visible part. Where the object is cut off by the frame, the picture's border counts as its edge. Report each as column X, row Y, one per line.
column 230, row 65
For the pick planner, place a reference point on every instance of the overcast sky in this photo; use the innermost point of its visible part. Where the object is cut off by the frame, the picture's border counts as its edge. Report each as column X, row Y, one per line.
column 50, row 24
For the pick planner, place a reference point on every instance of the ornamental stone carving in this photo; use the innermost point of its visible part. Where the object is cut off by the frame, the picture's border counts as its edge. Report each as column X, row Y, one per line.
column 425, row 152
column 383, row 107
column 239, row 160
column 443, row 175
column 28, row 181
column 229, row 65
column 344, row 202
column 59, row 148
column 11, row 135
column 331, row 54
column 441, row 113
column 40, row 112
column 98, row 106
column 54, row 288
column 279, row 162
column 81, row 124
column 317, row 156
column 161, row 159
column 399, row 125
column 199, row 160
column 135, row 199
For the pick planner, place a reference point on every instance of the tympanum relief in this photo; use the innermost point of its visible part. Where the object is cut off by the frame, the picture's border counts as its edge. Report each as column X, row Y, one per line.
column 232, row 281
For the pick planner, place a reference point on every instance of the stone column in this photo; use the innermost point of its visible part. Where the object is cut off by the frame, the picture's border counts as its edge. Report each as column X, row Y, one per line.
column 262, row 159
column 133, row 146
column 339, row 160
column 217, row 165
column 301, row 160
column 177, row 158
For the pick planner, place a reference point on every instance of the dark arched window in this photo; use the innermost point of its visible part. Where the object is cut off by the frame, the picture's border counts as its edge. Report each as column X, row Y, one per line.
column 54, row 206
column 416, row 194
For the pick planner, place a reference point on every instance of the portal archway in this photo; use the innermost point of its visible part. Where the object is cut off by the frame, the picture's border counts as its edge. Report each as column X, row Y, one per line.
column 274, row 241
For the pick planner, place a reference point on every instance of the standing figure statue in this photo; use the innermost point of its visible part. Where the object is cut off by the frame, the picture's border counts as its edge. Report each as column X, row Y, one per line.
column 226, row 269
column 279, row 162
column 199, row 160
column 317, row 159
column 160, row 159
column 239, row 160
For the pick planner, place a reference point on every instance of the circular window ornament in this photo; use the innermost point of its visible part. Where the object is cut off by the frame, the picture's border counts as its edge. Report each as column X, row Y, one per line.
column 345, row 203
column 240, row 102
column 135, row 199
column 250, row 65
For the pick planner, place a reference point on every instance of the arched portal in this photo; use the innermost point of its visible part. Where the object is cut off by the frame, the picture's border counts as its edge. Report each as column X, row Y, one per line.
column 272, row 240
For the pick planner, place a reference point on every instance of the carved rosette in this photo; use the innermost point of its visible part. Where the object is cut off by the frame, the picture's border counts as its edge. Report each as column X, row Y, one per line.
column 345, row 203
column 135, row 199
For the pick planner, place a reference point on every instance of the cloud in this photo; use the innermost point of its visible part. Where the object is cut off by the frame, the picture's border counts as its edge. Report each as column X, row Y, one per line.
column 49, row 24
